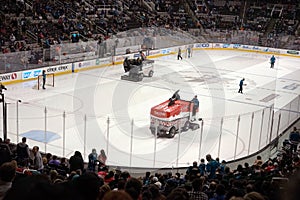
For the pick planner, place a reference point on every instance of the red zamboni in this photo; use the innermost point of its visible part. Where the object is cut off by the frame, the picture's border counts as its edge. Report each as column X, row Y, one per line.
column 168, row 117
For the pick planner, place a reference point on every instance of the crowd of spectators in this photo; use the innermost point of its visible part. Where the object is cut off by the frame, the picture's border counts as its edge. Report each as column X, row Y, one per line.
column 248, row 15
column 27, row 25
column 46, row 23
column 28, row 174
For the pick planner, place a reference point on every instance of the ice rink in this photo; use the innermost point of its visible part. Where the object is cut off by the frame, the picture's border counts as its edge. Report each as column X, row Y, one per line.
column 234, row 124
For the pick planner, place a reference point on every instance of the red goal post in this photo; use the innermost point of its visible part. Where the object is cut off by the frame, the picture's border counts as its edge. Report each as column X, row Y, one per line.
column 49, row 80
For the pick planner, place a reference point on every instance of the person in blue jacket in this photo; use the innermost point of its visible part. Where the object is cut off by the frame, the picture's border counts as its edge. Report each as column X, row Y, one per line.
column 272, row 61
column 241, row 86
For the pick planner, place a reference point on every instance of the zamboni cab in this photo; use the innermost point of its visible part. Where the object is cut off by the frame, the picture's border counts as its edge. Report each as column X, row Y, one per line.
column 136, row 69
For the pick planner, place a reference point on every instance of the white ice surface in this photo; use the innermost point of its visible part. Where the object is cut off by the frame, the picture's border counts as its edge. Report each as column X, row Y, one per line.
column 93, row 96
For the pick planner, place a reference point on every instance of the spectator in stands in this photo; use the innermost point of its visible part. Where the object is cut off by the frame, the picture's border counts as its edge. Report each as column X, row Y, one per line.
column 54, row 161
column 211, row 190
column 154, row 189
column 254, row 196
column 11, row 147
column 12, row 38
column 146, row 178
column 294, row 138
column 64, row 165
column 76, row 162
column 220, row 193
column 178, row 194
column 193, row 171
column 102, row 158
column 228, row 175
column 222, row 167
column 117, row 195
column 270, row 167
column 238, row 173
column 170, row 185
column 38, row 187
column 5, row 153
column 104, row 189
column 258, row 161
column 53, row 174
column 48, row 156
column 93, row 156
column 211, row 167
column 37, row 159
column 23, row 153
column 292, row 188
column 196, row 192
column 7, row 174
column 133, row 187
column 296, row 163
column 236, row 189
column 202, row 167
column 88, row 185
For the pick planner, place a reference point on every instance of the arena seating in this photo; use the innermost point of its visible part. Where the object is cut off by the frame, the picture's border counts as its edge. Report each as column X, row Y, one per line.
column 31, row 24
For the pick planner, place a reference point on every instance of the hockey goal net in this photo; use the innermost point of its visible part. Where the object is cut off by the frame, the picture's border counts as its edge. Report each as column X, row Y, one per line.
column 49, row 81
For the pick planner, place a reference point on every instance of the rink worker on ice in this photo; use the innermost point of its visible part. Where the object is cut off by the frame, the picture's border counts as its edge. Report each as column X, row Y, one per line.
column 195, row 107
column 189, row 52
column 272, row 61
column 241, row 86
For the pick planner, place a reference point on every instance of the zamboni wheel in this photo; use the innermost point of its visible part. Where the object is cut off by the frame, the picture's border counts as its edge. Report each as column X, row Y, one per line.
column 194, row 126
column 124, row 77
column 150, row 73
column 140, row 77
column 172, row 132
column 186, row 126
